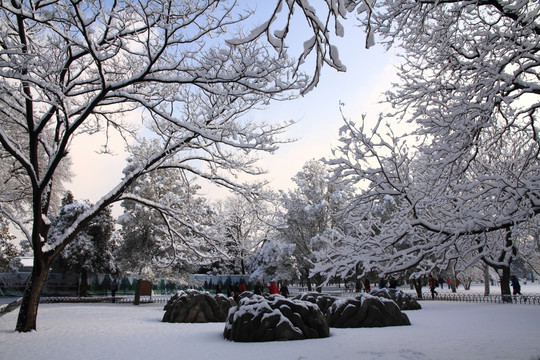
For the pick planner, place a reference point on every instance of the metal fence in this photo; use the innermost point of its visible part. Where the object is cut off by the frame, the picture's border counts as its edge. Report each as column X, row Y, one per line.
column 531, row 299
column 155, row 299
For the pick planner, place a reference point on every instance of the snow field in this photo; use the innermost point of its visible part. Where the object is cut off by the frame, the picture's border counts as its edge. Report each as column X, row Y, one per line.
column 441, row 330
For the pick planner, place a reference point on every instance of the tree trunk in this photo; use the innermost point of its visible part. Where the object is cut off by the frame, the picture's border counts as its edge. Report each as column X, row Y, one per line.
column 84, row 283
column 486, row 280
column 417, row 283
column 504, row 275
column 137, row 299
column 453, row 283
column 27, row 318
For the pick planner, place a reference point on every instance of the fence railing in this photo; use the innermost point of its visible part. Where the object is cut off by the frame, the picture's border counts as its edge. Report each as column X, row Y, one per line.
column 156, row 299
column 530, row 299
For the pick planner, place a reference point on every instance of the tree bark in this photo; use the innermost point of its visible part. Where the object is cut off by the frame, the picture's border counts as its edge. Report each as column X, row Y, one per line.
column 504, row 275
column 417, row 283
column 27, row 318
column 486, row 280
column 137, row 299
column 84, row 283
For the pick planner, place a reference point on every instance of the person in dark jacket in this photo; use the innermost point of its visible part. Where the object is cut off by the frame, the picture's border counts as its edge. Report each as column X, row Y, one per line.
column 258, row 289
column 284, row 289
column 516, row 288
column 114, row 287
column 367, row 286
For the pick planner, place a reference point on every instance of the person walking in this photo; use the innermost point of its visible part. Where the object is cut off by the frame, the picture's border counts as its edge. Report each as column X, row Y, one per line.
column 114, row 287
column 432, row 286
column 367, row 286
column 516, row 287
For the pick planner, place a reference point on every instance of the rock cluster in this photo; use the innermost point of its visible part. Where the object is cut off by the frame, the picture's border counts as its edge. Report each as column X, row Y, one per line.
column 275, row 317
column 403, row 300
column 362, row 311
column 365, row 311
column 197, row 307
column 323, row 301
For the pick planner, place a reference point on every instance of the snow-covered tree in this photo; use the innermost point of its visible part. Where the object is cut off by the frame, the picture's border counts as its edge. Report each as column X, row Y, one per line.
column 443, row 220
column 166, row 228
column 70, row 68
column 274, row 260
column 241, row 225
column 9, row 254
column 308, row 210
column 92, row 249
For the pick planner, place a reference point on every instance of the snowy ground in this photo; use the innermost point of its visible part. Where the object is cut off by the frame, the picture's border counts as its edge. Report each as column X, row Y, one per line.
column 441, row 330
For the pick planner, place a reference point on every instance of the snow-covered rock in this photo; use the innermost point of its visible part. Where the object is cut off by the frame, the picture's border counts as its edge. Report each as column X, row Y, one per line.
column 403, row 300
column 275, row 317
column 323, row 301
column 365, row 311
column 197, row 307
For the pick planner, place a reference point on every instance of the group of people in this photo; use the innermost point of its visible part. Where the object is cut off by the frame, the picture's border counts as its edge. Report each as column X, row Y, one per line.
column 234, row 290
column 273, row 288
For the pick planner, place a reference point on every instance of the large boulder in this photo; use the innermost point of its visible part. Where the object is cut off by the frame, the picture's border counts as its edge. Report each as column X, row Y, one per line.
column 193, row 306
column 365, row 311
column 403, row 300
column 323, row 301
column 259, row 318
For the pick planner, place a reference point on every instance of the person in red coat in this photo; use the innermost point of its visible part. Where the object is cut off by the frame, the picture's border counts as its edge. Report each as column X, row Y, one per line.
column 274, row 289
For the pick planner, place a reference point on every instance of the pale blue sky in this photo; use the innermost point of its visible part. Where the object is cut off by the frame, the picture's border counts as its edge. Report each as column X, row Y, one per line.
column 369, row 73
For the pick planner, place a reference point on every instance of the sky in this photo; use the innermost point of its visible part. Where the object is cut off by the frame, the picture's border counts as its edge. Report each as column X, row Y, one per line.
column 369, row 73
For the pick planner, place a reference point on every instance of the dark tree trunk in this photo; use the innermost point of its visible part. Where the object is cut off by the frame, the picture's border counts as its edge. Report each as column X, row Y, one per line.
column 486, row 280
column 84, row 283
column 27, row 318
column 358, row 285
column 308, row 280
column 504, row 275
column 417, row 283
column 453, row 283
column 137, row 299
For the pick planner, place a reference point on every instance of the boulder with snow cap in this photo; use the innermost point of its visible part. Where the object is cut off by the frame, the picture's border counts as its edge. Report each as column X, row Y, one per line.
column 274, row 318
column 323, row 301
column 193, row 306
column 365, row 311
column 403, row 300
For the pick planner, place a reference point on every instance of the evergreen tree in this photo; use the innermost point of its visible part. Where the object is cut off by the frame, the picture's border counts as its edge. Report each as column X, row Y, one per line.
column 9, row 254
column 92, row 250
